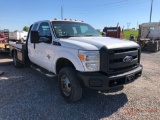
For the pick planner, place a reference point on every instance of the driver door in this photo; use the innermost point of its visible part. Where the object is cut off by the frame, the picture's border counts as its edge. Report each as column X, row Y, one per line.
column 44, row 47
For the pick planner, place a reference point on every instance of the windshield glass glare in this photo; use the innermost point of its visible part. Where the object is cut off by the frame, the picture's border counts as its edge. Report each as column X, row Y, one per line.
column 73, row 29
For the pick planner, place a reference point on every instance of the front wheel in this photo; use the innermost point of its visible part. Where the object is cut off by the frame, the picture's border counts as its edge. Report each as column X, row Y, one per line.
column 69, row 84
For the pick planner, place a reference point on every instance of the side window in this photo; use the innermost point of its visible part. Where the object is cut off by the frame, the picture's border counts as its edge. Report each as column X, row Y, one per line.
column 44, row 29
column 84, row 29
column 44, row 33
column 35, row 26
column 75, row 30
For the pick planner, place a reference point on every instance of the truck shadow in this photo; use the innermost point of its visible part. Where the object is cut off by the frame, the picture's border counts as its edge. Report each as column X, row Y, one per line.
column 4, row 55
column 5, row 59
column 26, row 94
column 147, row 52
column 93, row 105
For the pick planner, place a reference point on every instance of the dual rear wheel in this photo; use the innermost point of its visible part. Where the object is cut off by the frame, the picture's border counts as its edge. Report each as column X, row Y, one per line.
column 15, row 60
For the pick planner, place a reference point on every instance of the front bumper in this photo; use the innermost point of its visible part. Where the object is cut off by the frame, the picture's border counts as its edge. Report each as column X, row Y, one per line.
column 100, row 81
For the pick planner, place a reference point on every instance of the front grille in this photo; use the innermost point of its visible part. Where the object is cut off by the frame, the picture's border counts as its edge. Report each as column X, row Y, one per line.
column 115, row 60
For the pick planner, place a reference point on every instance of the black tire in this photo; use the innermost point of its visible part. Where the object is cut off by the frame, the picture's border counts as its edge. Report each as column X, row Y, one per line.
column 75, row 93
column 17, row 64
column 22, row 40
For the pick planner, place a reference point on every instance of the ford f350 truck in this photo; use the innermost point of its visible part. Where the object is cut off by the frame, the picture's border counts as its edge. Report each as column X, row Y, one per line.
column 79, row 56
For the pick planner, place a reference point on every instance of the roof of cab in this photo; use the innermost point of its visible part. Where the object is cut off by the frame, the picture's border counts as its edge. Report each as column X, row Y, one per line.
column 70, row 20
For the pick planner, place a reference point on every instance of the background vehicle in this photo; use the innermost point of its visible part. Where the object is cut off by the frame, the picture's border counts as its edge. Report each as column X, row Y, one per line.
column 79, row 56
column 2, row 37
column 4, row 40
column 149, row 36
column 115, row 32
column 18, row 36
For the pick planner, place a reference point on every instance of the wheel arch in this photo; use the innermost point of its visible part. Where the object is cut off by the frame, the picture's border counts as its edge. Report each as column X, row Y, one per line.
column 63, row 62
column 70, row 56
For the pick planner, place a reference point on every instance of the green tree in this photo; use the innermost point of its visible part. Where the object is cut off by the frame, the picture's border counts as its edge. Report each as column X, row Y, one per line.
column 25, row 28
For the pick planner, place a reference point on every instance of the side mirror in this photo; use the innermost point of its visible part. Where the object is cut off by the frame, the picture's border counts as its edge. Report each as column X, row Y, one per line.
column 34, row 37
column 104, row 34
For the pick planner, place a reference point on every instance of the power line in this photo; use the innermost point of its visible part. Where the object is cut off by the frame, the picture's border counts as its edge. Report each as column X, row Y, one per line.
column 102, row 8
column 106, row 6
column 97, row 6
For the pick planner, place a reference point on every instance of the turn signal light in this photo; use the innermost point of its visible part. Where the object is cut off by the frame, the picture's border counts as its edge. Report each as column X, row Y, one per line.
column 81, row 57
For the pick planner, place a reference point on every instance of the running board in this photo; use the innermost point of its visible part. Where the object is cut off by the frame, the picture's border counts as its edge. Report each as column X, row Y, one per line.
column 43, row 71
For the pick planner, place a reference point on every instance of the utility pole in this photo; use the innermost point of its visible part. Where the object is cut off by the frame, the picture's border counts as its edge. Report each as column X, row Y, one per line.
column 61, row 12
column 151, row 11
column 137, row 25
column 117, row 29
column 128, row 24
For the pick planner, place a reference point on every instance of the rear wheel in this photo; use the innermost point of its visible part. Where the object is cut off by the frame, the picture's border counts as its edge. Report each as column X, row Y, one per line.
column 22, row 40
column 15, row 60
column 69, row 85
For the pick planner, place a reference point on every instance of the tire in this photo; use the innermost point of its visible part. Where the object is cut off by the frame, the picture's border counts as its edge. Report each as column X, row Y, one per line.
column 17, row 64
column 22, row 40
column 69, row 85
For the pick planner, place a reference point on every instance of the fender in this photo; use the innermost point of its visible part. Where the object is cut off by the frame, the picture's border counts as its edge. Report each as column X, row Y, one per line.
column 71, row 57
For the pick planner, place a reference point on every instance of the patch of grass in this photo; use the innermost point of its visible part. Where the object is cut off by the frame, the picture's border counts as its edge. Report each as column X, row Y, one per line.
column 128, row 32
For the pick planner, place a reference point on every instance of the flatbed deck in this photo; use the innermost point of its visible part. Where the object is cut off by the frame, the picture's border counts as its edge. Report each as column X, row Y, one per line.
column 18, row 46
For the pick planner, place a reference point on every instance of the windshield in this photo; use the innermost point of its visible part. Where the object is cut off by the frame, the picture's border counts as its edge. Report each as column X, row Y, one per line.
column 73, row 29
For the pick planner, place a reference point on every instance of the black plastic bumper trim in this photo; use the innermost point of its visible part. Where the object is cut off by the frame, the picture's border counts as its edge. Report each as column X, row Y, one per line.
column 100, row 81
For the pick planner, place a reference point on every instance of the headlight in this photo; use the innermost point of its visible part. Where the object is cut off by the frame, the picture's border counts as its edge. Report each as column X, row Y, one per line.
column 90, row 60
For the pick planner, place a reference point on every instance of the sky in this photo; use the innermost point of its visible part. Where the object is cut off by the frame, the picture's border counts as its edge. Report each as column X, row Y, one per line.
column 15, row 14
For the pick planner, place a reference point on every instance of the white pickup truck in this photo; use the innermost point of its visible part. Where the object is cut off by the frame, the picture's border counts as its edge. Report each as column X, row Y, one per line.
column 79, row 56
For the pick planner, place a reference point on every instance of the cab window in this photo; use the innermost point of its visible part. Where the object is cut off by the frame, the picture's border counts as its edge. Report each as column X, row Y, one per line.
column 45, row 33
column 44, row 29
column 35, row 26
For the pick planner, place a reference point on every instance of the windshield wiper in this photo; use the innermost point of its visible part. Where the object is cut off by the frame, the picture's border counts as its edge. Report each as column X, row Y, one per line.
column 89, row 35
column 67, row 36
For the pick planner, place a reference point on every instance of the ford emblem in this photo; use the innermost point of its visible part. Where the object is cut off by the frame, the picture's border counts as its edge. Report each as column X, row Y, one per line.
column 128, row 59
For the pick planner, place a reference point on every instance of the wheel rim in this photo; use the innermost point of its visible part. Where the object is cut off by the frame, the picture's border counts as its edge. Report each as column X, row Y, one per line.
column 65, row 85
column 14, row 58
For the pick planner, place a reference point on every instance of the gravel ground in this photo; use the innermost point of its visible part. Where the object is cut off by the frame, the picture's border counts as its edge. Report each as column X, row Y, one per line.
column 28, row 95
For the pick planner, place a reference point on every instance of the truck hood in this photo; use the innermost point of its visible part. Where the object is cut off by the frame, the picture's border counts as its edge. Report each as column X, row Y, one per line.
column 96, row 43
